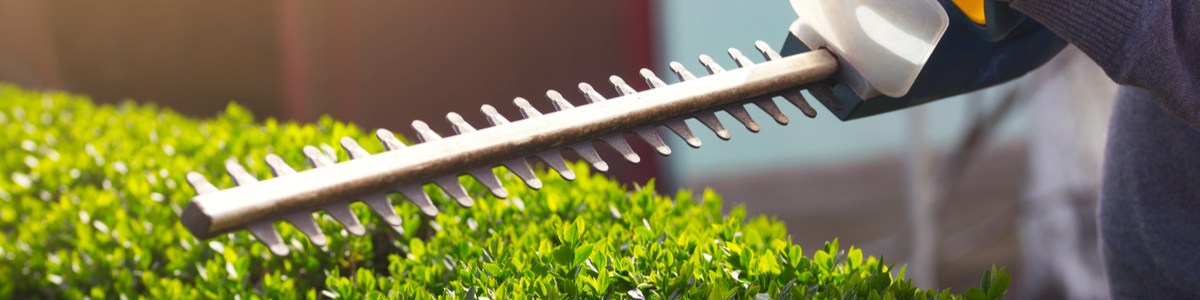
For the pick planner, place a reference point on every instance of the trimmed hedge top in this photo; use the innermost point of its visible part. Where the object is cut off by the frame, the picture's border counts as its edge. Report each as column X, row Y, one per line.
column 90, row 198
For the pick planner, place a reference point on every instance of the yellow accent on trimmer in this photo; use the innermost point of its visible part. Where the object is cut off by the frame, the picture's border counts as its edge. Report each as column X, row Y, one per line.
column 973, row 9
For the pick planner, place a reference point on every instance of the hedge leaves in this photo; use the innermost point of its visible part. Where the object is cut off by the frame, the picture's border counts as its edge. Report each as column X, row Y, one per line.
column 90, row 197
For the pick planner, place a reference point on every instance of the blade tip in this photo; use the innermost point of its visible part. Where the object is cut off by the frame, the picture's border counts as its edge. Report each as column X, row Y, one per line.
column 500, row 193
column 429, row 211
column 357, row 230
column 664, row 150
column 534, row 183
column 279, row 249
column 319, row 241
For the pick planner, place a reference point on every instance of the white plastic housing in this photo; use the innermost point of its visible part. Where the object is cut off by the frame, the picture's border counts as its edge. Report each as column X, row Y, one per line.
column 882, row 45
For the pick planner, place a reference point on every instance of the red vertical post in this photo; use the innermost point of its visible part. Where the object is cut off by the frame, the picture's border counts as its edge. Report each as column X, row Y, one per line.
column 639, row 51
column 296, row 64
column 345, row 61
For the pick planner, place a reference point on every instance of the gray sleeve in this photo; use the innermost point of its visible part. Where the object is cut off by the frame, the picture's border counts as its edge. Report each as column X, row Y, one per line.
column 1151, row 44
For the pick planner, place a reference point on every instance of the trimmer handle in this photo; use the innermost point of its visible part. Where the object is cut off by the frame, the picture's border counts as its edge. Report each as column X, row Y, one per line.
column 971, row 55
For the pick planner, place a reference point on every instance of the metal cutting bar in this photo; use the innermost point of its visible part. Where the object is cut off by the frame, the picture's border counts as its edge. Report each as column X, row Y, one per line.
column 216, row 212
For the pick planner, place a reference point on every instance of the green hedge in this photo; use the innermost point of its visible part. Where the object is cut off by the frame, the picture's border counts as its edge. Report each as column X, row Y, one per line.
column 90, row 197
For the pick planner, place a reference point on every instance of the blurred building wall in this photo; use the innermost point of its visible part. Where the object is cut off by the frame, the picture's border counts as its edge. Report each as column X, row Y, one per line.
column 380, row 64
column 191, row 56
column 694, row 27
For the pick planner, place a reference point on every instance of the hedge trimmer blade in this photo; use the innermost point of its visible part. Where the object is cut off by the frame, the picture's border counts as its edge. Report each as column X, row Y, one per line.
column 331, row 186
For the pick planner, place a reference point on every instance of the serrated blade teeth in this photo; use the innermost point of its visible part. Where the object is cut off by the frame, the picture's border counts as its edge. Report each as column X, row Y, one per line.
column 494, row 117
column 352, row 147
column 585, row 150
column 740, row 58
column 622, row 87
column 488, row 178
column 527, row 109
column 442, row 159
column 710, row 120
column 676, row 125
column 681, row 129
column 768, row 105
column 329, row 152
column 278, row 166
column 521, row 168
column 652, row 80
column 200, row 184
column 560, row 103
column 653, row 139
column 590, row 93
column 682, row 72
column 343, row 214
column 460, row 125
column 766, row 51
column 316, row 158
column 556, row 162
column 617, row 142
column 797, row 99
column 646, row 133
column 707, row 118
column 301, row 220
column 424, row 132
column 455, row 189
column 265, row 232
column 415, row 194
column 389, row 140
column 380, row 204
column 711, row 65
column 305, row 223
column 239, row 174
column 739, row 112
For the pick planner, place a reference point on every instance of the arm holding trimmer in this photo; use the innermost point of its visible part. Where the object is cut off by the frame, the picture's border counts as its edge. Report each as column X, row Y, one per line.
column 1153, row 45
column 1150, row 195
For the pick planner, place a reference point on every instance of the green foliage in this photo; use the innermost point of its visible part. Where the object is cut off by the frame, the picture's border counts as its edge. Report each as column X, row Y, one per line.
column 90, row 198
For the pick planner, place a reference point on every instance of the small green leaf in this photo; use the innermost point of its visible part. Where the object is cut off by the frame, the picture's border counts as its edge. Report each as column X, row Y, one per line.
column 854, row 258
column 581, row 254
column 492, row 269
column 999, row 284
column 975, row 294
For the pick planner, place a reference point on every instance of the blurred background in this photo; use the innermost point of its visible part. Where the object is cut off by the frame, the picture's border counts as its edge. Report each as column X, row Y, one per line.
column 1006, row 176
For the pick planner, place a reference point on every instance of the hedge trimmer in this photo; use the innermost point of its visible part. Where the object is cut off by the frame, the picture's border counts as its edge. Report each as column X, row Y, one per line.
column 839, row 52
